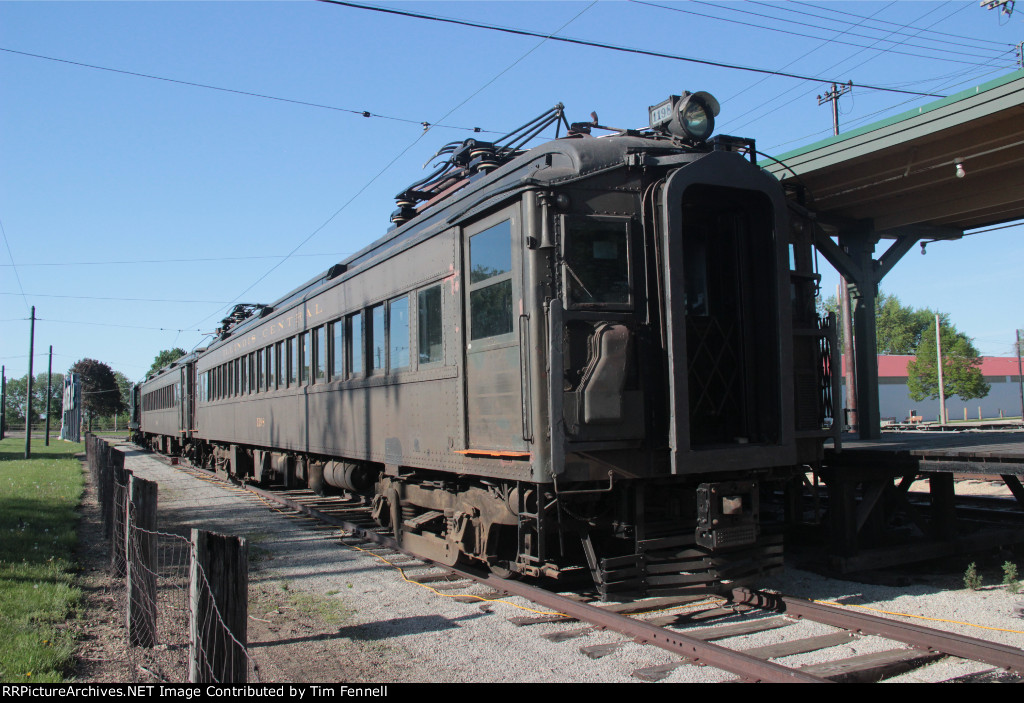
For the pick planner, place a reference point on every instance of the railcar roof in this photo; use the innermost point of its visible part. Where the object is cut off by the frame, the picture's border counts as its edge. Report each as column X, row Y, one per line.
column 559, row 161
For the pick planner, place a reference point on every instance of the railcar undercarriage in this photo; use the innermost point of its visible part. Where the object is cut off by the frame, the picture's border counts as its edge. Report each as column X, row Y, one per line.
column 643, row 537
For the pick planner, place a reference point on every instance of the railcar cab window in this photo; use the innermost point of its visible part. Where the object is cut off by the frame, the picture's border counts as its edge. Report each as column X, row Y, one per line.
column 597, row 263
column 490, row 281
column 428, row 321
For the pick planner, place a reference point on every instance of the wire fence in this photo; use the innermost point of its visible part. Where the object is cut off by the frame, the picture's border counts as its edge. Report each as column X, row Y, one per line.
column 183, row 598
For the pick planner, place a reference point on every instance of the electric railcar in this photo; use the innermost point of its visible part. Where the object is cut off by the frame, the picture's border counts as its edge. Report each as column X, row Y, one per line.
column 589, row 356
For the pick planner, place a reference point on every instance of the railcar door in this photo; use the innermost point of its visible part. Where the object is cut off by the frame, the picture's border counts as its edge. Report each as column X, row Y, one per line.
column 729, row 338
column 492, row 287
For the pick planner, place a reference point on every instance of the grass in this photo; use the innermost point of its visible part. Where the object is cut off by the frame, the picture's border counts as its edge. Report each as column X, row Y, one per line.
column 38, row 530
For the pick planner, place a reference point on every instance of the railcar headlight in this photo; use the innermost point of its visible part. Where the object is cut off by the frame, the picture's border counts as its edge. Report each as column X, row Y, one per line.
column 690, row 115
column 695, row 114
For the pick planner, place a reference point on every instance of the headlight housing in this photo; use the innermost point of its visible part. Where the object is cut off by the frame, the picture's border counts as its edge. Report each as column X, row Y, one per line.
column 689, row 116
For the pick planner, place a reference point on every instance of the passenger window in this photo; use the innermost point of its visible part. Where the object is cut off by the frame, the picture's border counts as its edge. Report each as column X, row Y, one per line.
column 252, row 371
column 597, row 262
column 428, row 318
column 490, row 281
column 260, row 378
column 355, row 341
column 293, row 362
column 378, row 360
column 306, row 355
column 319, row 355
column 398, row 332
column 336, row 337
column 275, row 365
column 243, row 373
column 268, row 365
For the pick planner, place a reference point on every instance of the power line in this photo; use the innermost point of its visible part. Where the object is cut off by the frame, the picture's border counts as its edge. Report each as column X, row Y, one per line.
column 218, row 259
column 765, row 105
column 122, row 300
column 799, row 58
column 192, row 84
column 396, row 158
column 613, row 47
column 111, row 324
column 747, row 12
column 861, row 17
column 13, row 266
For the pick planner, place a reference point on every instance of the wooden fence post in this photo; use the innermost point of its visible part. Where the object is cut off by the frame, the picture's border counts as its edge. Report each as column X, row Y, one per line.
column 121, row 532
column 142, row 562
column 105, row 489
column 219, row 600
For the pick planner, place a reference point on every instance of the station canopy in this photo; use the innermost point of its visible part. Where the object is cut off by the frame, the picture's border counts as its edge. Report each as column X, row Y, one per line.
column 949, row 166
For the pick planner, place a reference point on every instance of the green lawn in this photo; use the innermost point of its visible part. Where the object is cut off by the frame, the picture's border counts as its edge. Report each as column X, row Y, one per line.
column 39, row 498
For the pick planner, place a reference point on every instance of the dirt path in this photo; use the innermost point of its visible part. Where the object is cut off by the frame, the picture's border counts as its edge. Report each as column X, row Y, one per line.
column 294, row 636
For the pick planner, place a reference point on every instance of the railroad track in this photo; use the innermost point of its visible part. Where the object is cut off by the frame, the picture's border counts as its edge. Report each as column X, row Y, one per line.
column 689, row 626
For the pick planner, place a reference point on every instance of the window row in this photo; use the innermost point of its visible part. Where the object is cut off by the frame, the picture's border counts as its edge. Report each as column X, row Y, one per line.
column 375, row 340
column 161, row 399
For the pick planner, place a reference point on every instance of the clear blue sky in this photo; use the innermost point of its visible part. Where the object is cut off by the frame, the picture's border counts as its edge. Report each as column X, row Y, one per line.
column 207, row 191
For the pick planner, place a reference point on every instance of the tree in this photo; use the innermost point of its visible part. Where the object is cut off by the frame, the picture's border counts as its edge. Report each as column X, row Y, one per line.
column 898, row 327
column 961, row 366
column 16, row 399
column 101, row 396
column 125, row 385
column 165, row 357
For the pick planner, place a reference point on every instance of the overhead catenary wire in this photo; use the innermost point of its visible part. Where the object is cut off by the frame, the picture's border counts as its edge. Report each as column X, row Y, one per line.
column 112, row 298
column 392, row 161
column 214, row 259
column 247, row 93
column 861, row 17
column 614, row 47
column 7, row 244
column 836, row 65
column 746, row 12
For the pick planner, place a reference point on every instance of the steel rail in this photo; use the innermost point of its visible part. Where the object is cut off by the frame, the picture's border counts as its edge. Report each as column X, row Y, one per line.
column 698, row 651
column 918, row 636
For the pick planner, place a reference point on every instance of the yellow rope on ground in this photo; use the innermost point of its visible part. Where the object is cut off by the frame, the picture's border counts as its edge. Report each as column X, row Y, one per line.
column 401, row 571
column 918, row 617
column 405, row 578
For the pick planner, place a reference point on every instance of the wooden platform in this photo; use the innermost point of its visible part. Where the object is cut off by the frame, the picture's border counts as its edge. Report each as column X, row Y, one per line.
column 989, row 452
column 868, row 482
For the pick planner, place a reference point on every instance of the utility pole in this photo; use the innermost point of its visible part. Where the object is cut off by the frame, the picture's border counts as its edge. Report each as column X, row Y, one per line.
column 1020, row 379
column 49, row 377
column 28, row 404
column 833, row 97
column 3, row 400
column 843, row 293
column 938, row 353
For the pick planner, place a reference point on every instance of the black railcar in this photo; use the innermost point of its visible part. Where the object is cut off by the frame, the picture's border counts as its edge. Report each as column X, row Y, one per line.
column 588, row 355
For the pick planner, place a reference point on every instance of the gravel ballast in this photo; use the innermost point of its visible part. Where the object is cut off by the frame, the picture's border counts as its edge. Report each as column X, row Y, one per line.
column 375, row 626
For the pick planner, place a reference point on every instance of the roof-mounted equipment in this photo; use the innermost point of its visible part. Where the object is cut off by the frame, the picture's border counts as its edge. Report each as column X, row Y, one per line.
column 690, row 116
column 468, row 160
